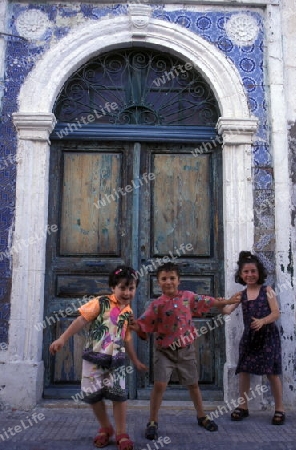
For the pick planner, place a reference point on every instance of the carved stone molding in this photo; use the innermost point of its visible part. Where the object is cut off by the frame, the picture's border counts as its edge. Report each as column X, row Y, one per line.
column 139, row 18
column 32, row 24
column 242, row 29
column 237, row 131
column 34, row 127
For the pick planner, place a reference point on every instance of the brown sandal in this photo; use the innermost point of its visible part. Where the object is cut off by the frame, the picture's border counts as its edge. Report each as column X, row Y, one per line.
column 206, row 423
column 123, row 442
column 102, row 439
column 278, row 418
column 239, row 414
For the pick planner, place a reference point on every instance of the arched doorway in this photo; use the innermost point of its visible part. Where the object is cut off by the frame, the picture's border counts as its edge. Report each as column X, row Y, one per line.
column 236, row 126
column 136, row 178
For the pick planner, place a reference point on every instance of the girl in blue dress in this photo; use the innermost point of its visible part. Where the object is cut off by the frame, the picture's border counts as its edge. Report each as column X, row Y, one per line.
column 260, row 345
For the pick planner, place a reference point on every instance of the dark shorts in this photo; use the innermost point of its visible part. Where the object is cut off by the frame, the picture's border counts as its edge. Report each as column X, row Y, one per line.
column 181, row 359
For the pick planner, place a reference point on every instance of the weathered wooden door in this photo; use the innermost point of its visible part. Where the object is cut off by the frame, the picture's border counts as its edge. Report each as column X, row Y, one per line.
column 140, row 204
column 95, row 233
column 135, row 178
column 180, row 221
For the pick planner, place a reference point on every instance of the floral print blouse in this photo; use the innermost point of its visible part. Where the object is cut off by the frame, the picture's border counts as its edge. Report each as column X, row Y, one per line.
column 107, row 332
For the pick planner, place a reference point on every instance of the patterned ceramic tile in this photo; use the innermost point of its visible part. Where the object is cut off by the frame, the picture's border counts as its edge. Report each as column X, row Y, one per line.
column 264, row 242
column 267, row 259
column 263, row 178
column 261, row 155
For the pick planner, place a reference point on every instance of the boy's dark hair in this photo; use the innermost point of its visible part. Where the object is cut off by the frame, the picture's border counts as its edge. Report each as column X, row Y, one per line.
column 247, row 258
column 122, row 273
column 168, row 267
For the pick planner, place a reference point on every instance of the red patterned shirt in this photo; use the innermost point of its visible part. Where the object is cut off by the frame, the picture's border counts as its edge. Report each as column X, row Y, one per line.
column 171, row 318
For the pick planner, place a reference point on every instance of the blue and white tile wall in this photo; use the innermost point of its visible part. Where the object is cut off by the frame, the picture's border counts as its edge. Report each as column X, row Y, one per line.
column 55, row 21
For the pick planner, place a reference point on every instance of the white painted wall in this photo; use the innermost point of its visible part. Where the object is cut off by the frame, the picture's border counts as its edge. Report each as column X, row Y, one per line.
column 3, row 11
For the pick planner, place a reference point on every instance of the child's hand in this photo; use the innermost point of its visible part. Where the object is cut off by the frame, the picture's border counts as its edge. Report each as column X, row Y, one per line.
column 257, row 323
column 56, row 346
column 133, row 324
column 140, row 366
column 235, row 299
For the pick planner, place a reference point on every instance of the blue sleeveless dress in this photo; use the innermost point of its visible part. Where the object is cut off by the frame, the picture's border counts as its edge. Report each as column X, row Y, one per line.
column 259, row 351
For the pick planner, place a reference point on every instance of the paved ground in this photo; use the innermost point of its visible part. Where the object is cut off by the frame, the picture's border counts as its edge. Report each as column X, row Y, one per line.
column 61, row 425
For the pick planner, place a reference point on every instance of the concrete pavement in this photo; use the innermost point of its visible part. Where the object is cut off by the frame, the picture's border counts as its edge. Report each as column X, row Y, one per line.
column 64, row 425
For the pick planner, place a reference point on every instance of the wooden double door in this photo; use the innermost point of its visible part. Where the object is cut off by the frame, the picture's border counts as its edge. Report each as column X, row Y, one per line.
column 139, row 204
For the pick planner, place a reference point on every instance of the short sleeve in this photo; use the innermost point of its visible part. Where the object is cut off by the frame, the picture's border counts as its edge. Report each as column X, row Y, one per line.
column 201, row 304
column 148, row 320
column 90, row 310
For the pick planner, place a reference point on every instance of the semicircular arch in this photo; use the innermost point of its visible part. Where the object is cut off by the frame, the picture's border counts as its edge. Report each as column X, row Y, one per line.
column 89, row 40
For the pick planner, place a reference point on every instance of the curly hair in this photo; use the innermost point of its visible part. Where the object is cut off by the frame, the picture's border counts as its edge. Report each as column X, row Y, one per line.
column 246, row 257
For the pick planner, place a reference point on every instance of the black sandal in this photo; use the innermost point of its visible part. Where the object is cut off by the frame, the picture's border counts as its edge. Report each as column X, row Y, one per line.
column 278, row 418
column 208, row 424
column 239, row 414
column 151, row 430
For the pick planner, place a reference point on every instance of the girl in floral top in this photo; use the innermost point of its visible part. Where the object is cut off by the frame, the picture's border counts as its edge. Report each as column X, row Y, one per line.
column 103, row 368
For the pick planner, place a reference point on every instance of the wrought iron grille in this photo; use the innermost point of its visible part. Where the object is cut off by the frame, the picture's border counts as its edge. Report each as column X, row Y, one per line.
column 137, row 87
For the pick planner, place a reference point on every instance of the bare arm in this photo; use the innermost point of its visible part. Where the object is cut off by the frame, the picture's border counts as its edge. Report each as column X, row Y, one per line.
column 134, row 326
column 74, row 328
column 230, row 307
column 230, row 304
column 133, row 356
column 274, row 311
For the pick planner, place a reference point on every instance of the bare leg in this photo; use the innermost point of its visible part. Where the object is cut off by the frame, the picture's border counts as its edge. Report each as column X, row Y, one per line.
column 203, row 419
column 244, row 388
column 119, row 412
column 196, row 397
column 102, row 437
column 101, row 414
column 276, row 388
column 241, row 410
column 156, row 399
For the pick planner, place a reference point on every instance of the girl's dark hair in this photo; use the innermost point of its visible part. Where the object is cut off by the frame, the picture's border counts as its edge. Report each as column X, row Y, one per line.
column 246, row 258
column 168, row 267
column 123, row 273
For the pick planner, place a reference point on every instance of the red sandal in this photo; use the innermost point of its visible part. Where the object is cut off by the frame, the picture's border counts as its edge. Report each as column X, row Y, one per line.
column 103, row 437
column 123, row 442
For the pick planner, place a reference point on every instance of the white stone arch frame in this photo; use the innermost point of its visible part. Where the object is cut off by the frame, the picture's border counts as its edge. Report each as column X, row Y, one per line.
column 34, row 122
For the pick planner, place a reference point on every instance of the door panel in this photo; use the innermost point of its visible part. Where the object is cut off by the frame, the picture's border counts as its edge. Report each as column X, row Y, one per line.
column 90, row 179
column 67, row 367
column 138, row 204
column 181, row 222
column 180, row 203
column 85, row 203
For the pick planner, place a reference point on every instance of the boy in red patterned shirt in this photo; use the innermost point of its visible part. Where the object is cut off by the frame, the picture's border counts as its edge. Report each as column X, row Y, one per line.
column 170, row 318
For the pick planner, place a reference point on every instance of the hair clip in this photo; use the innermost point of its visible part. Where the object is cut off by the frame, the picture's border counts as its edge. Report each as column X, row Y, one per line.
column 118, row 271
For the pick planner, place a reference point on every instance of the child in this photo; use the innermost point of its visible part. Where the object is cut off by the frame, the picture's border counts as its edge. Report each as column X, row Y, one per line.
column 103, row 368
column 170, row 318
column 260, row 346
